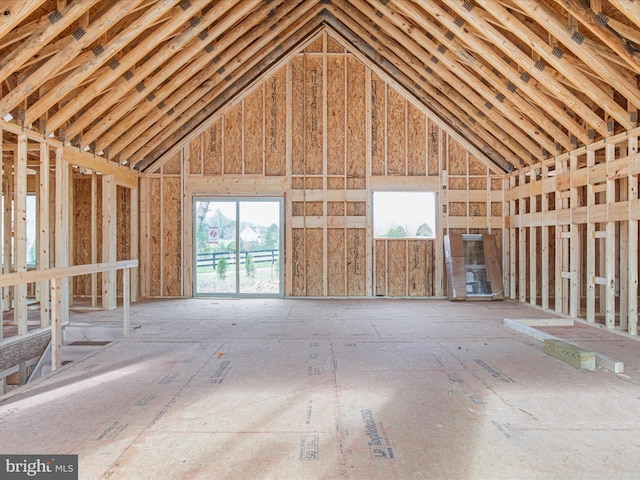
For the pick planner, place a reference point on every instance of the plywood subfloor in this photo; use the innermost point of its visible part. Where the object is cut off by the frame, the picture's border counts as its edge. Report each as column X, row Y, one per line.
column 323, row 389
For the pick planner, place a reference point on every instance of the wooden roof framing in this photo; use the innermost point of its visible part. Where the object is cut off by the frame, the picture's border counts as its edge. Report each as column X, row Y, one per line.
column 521, row 80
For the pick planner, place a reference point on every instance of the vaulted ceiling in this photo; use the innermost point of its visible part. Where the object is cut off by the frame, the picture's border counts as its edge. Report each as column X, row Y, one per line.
column 522, row 80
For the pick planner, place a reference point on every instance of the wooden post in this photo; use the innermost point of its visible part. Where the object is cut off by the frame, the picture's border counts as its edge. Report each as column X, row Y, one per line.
column 591, row 244
column 126, row 298
column 574, row 245
column 43, row 233
column 522, row 251
column 513, row 248
column 20, row 232
column 632, row 247
column 610, row 253
column 94, row 237
column 533, row 253
column 2, row 165
column 61, row 228
column 558, row 281
column 544, row 241
column 56, row 323
column 109, row 253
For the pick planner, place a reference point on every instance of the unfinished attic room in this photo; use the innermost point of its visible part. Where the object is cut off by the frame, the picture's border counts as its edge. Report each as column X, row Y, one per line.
column 319, row 239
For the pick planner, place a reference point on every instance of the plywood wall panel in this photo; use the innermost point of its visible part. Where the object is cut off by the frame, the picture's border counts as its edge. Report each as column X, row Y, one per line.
column 155, row 244
column 196, row 155
column 356, row 119
column 356, row 262
column 417, row 141
column 396, row 133
column 298, row 262
column 378, row 92
column 335, row 209
column 253, row 151
column 297, row 114
column 397, row 268
column 336, row 285
column 456, row 158
column 335, row 115
column 313, row 124
column 123, row 232
column 476, row 167
column 417, row 260
column 314, row 249
column 333, row 46
column 276, row 121
column 173, row 165
column 315, row 46
column 335, row 183
column 82, row 232
column 380, row 252
column 172, row 236
column 212, row 149
column 233, row 141
column 434, row 147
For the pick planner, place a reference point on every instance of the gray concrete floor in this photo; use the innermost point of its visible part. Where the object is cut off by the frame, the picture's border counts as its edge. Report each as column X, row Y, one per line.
column 324, row 389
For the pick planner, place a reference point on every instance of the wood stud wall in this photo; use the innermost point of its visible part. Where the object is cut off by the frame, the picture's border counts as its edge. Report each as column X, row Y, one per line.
column 325, row 129
column 580, row 209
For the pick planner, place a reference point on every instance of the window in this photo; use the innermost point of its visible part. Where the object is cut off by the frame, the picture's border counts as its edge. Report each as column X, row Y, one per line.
column 404, row 214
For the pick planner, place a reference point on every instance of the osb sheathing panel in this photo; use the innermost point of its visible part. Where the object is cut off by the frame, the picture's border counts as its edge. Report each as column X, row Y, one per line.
column 332, row 141
column 313, row 125
column 297, row 115
column 123, row 231
column 298, row 260
column 456, row 158
column 434, row 148
column 172, row 166
column 212, row 149
column 335, row 116
column 313, row 262
column 172, row 236
column 82, row 230
column 196, row 155
column 276, row 114
column 417, row 134
column 397, row 268
column 155, row 237
column 253, row 133
column 233, row 141
column 380, row 252
column 336, row 285
column 396, row 133
column 378, row 93
column 356, row 262
column 417, row 267
column 356, row 119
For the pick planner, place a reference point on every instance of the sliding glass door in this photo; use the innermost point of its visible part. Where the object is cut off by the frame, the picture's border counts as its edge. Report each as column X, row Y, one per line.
column 238, row 246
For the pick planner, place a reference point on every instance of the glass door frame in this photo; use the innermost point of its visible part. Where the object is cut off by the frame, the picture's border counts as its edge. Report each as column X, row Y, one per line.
column 238, row 200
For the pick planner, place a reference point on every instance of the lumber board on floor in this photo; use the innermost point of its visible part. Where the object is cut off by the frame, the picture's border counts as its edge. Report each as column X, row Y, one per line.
column 570, row 353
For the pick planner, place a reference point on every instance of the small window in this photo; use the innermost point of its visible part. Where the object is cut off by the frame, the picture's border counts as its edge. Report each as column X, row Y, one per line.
column 404, row 214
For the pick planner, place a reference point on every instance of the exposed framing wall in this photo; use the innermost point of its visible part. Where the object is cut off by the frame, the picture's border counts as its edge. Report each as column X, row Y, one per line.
column 325, row 129
column 579, row 212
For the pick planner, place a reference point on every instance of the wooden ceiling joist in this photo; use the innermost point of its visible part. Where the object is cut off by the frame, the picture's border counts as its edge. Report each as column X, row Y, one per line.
column 520, row 80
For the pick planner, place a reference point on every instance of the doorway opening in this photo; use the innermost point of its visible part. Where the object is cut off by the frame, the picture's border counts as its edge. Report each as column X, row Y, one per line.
column 238, row 246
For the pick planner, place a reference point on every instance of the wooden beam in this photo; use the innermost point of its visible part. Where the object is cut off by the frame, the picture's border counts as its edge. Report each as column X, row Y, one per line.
column 596, row 24
column 44, row 231
column 173, row 74
column 62, row 228
column 65, row 55
column 580, row 81
column 417, row 51
column 632, row 247
column 582, row 50
column 557, row 90
column 120, row 41
column 20, row 231
column 629, row 9
column 17, row 12
column 100, row 84
column 109, row 247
